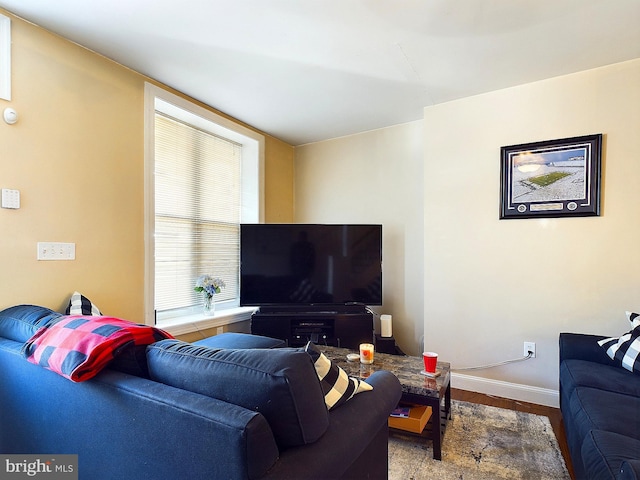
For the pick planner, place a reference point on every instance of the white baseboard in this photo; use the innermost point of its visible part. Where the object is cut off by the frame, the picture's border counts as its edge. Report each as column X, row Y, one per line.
column 498, row 388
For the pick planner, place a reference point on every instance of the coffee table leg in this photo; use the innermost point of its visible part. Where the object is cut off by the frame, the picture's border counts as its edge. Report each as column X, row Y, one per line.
column 436, row 431
column 440, row 416
column 440, row 410
column 440, row 421
column 447, row 402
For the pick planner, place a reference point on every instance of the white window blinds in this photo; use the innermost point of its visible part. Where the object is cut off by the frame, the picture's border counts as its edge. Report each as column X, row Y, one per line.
column 197, row 181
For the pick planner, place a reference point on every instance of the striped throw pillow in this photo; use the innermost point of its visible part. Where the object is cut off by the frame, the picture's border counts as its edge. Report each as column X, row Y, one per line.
column 81, row 305
column 337, row 386
column 625, row 349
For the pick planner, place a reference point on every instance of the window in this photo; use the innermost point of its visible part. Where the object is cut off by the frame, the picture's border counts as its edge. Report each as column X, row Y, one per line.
column 5, row 57
column 203, row 178
column 197, row 213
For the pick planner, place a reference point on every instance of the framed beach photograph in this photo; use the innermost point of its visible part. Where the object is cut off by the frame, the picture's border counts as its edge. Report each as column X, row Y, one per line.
column 556, row 178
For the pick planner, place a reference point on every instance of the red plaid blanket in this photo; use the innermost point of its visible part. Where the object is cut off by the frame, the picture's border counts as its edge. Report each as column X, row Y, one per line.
column 78, row 347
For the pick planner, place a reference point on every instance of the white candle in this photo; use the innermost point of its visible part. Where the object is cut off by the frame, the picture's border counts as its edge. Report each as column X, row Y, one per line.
column 385, row 326
column 366, row 353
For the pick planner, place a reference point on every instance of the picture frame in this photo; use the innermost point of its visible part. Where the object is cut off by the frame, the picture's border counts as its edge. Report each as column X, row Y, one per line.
column 551, row 179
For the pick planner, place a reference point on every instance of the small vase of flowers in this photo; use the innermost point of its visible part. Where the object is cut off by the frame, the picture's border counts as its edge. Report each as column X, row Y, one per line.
column 209, row 286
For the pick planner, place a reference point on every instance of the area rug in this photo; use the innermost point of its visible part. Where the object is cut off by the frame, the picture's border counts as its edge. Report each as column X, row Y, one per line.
column 481, row 443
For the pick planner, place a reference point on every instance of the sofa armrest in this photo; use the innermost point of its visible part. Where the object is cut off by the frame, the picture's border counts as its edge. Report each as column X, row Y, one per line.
column 353, row 427
column 582, row 346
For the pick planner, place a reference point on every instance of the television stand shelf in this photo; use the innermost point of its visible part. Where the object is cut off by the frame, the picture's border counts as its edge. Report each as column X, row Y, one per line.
column 344, row 326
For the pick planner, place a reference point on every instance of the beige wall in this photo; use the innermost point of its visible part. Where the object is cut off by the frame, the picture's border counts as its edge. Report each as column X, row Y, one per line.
column 76, row 155
column 374, row 177
column 278, row 181
column 492, row 284
column 489, row 285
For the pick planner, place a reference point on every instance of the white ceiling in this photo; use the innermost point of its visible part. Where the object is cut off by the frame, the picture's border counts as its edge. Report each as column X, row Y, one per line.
column 309, row 70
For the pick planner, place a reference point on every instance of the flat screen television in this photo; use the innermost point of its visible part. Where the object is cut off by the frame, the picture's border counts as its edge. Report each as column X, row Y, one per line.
column 310, row 264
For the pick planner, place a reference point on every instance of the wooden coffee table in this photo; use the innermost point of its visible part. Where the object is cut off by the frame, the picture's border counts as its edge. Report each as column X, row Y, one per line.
column 417, row 389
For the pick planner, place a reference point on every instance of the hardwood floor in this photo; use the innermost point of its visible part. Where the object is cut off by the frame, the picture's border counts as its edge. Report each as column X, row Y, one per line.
column 553, row 413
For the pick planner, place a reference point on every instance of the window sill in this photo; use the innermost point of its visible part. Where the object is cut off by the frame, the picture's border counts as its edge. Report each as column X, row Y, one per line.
column 200, row 321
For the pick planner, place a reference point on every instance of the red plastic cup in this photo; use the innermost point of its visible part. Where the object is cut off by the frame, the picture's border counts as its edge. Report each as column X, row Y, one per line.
column 430, row 360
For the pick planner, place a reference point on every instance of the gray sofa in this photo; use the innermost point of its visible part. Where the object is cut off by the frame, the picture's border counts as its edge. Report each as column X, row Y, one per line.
column 193, row 411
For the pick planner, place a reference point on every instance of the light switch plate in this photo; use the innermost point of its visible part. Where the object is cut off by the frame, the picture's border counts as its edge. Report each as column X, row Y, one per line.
column 56, row 251
column 10, row 198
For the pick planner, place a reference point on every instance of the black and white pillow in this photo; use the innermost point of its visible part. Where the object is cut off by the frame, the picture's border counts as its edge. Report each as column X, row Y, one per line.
column 81, row 305
column 337, row 386
column 625, row 349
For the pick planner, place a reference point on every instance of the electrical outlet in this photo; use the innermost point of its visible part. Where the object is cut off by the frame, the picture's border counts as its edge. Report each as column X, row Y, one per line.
column 530, row 347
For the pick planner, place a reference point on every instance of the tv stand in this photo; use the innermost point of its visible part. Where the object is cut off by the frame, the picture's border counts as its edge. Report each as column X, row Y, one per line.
column 344, row 326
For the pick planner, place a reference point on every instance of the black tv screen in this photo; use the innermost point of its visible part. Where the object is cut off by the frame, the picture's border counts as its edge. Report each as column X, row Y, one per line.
column 310, row 264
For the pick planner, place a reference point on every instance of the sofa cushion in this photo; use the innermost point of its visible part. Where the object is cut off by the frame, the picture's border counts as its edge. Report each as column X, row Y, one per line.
column 279, row 383
column 240, row 340
column 594, row 409
column 582, row 346
column 21, row 322
column 604, row 452
column 337, row 386
column 574, row 373
column 81, row 305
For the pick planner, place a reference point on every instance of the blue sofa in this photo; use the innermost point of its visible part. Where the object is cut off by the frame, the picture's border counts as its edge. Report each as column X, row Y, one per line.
column 174, row 410
column 600, row 405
